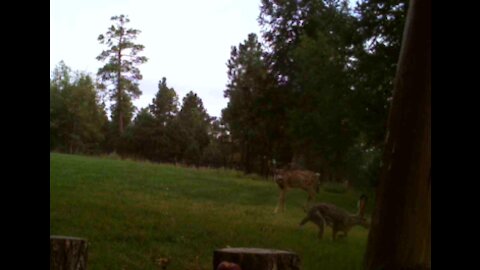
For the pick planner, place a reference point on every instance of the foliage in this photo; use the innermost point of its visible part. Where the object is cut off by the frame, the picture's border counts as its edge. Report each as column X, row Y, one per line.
column 250, row 113
column 77, row 116
column 121, row 69
column 313, row 91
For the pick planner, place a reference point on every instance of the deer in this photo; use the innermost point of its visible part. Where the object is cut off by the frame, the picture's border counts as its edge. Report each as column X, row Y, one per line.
column 335, row 217
column 303, row 179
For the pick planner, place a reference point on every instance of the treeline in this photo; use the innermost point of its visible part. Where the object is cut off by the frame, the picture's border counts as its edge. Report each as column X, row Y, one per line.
column 314, row 92
column 165, row 131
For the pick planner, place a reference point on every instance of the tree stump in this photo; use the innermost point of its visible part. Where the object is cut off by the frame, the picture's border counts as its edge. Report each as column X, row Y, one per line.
column 257, row 258
column 68, row 253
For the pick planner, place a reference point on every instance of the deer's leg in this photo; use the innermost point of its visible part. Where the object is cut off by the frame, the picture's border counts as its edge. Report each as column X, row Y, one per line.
column 321, row 227
column 310, row 199
column 334, row 234
column 319, row 220
column 281, row 201
column 336, row 230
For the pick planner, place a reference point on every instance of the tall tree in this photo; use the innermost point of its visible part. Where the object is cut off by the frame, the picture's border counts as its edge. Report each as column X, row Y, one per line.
column 121, row 68
column 284, row 22
column 403, row 199
column 251, row 107
column 321, row 92
column 378, row 40
column 192, row 125
column 310, row 48
column 164, row 108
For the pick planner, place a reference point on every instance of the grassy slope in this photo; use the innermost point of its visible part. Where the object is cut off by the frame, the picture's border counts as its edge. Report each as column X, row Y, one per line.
column 133, row 212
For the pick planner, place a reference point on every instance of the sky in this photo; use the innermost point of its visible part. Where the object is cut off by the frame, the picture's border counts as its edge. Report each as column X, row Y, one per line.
column 186, row 41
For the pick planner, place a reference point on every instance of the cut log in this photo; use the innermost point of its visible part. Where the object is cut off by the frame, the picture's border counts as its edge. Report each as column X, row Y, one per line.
column 68, row 253
column 257, row 258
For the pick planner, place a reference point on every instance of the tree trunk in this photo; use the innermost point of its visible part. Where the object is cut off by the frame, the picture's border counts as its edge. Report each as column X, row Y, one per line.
column 120, row 123
column 401, row 225
column 257, row 259
column 68, row 253
column 119, row 84
column 247, row 158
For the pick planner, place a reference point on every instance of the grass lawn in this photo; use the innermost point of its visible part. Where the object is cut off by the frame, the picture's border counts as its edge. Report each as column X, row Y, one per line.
column 134, row 212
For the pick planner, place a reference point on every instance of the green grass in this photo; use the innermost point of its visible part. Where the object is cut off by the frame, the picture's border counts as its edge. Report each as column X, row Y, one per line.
column 134, row 212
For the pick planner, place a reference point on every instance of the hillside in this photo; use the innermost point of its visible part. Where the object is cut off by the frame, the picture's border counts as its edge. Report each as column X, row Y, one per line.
column 134, row 212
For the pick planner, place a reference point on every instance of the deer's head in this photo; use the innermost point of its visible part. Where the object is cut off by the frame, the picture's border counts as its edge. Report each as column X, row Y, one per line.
column 278, row 174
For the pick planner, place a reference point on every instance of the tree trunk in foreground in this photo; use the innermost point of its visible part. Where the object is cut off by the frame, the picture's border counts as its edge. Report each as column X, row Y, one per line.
column 68, row 253
column 257, row 258
column 400, row 236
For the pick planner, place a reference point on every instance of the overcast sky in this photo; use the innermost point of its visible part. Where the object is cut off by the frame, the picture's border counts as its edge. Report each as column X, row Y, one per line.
column 186, row 41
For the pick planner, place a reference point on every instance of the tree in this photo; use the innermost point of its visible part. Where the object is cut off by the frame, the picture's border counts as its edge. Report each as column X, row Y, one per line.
column 284, row 22
column 310, row 48
column 77, row 117
column 121, row 68
column 142, row 135
column 192, row 123
column 321, row 94
column 59, row 81
column 218, row 151
column 377, row 47
column 403, row 198
column 251, row 112
column 164, row 106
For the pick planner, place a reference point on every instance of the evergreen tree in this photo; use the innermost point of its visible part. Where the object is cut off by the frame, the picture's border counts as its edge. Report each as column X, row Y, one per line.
column 121, row 69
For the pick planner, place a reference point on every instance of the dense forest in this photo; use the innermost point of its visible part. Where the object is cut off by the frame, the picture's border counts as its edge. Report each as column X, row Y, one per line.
column 314, row 90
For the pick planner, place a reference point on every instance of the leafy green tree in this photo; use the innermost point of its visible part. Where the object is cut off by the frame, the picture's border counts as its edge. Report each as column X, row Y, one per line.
column 379, row 36
column 121, row 69
column 77, row 116
column 59, row 81
column 310, row 56
column 320, row 120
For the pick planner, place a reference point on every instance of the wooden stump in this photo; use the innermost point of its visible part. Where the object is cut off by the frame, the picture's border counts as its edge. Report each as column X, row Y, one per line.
column 68, row 253
column 257, row 258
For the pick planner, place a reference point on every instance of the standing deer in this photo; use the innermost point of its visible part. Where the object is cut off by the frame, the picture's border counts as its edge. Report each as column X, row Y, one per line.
column 286, row 179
